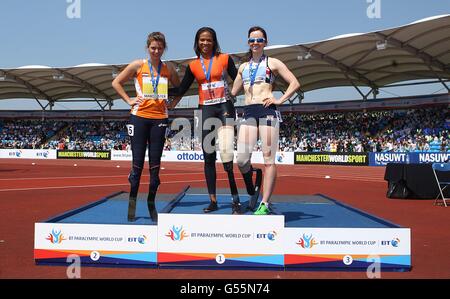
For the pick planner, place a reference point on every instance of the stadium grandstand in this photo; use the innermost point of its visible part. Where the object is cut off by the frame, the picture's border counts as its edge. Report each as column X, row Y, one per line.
column 418, row 53
column 406, row 130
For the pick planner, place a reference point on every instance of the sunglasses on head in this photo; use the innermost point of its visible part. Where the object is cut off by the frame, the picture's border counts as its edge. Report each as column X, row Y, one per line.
column 256, row 40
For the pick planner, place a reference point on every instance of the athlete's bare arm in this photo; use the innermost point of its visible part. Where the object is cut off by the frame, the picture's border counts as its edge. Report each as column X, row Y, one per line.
column 279, row 68
column 127, row 74
column 237, row 85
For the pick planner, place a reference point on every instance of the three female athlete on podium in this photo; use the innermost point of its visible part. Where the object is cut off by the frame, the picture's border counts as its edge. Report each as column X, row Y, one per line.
column 149, row 116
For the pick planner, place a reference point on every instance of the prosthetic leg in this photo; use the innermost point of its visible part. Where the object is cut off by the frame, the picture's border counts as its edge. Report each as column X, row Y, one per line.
column 236, row 204
column 151, row 206
column 132, row 209
column 226, row 145
column 154, row 183
column 253, row 189
column 134, row 178
column 210, row 175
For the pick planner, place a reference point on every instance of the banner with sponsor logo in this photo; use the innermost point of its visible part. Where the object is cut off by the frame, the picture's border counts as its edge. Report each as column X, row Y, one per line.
column 124, row 155
column 197, row 156
column 183, row 156
column 285, row 158
column 167, row 156
column 96, row 243
column 388, row 248
column 97, row 155
column 215, row 241
column 382, row 159
column 440, row 157
column 331, row 158
column 288, row 158
column 187, row 240
column 28, row 153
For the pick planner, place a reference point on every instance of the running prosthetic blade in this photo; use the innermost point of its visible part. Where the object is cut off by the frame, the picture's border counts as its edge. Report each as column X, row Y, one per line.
column 132, row 209
column 152, row 210
column 152, row 207
column 254, row 198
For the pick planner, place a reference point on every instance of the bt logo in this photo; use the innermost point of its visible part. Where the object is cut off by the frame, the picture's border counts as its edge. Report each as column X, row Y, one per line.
column 280, row 158
column 141, row 239
column 270, row 236
column 394, row 242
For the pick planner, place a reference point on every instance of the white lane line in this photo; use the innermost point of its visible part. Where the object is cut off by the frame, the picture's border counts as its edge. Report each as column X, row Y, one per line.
column 351, row 178
column 172, row 182
column 95, row 177
column 95, row 186
column 365, row 178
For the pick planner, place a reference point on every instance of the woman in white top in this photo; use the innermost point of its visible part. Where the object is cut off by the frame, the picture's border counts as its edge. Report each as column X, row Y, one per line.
column 261, row 117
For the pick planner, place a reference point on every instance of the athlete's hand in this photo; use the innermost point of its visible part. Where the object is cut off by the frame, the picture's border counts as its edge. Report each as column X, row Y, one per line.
column 136, row 101
column 172, row 104
column 269, row 101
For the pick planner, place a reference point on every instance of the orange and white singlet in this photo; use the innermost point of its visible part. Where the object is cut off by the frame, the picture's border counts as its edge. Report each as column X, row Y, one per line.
column 212, row 91
column 154, row 105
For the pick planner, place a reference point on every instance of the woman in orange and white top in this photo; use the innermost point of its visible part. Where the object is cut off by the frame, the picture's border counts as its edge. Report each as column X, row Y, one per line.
column 217, row 109
column 149, row 116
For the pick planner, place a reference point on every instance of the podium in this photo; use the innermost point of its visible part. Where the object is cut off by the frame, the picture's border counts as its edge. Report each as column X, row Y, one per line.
column 304, row 232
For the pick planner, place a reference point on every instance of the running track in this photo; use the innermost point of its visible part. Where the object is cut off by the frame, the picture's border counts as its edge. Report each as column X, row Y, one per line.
column 32, row 193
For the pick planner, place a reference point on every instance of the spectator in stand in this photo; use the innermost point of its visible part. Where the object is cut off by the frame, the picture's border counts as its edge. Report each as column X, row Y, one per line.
column 407, row 130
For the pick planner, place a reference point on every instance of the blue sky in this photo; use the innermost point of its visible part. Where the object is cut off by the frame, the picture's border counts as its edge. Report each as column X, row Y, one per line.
column 111, row 32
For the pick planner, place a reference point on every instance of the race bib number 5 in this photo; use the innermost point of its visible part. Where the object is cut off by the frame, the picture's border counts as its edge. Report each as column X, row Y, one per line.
column 130, row 130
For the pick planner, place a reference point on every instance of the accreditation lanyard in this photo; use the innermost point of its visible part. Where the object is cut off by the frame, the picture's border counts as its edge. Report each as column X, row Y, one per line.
column 207, row 73
column 155, row 82
column 253, row 71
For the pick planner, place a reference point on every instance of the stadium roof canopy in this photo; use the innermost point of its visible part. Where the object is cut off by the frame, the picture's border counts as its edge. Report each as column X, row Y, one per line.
column 417, row 51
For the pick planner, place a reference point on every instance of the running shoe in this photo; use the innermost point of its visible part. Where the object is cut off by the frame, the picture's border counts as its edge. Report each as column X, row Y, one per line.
column 211, row 208
column 236, row 208
column 262, row 210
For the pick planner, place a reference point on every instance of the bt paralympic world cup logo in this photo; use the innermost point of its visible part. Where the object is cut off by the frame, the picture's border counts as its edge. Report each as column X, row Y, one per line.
column 307, row 241
column 55, row 237
column 177, row 233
